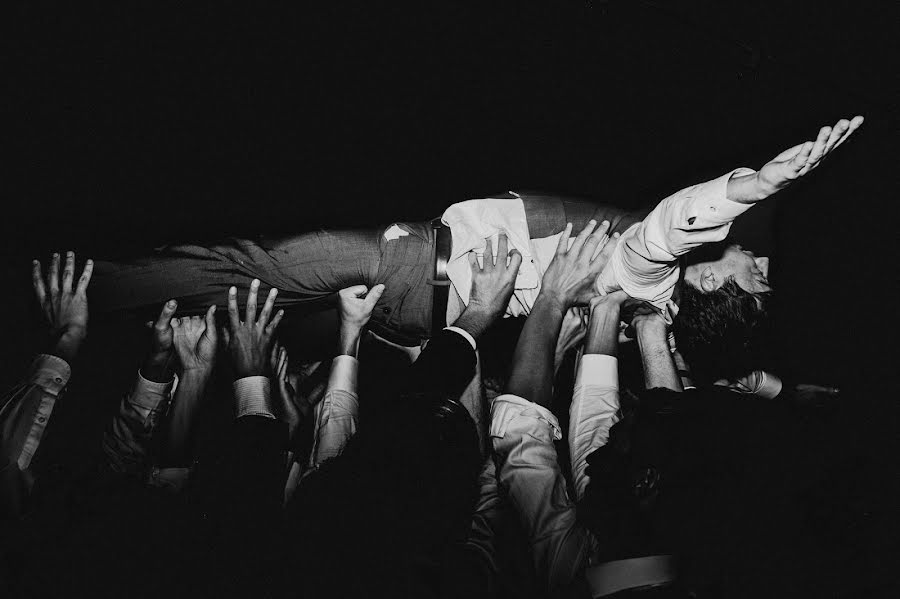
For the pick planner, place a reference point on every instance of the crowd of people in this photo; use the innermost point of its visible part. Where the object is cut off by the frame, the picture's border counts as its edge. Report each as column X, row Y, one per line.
column 551, row 472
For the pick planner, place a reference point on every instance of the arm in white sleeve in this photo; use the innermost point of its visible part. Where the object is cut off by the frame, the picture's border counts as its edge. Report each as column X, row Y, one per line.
column 594, row 410
column 338, row 412
column 644, row 263
column 529, row 475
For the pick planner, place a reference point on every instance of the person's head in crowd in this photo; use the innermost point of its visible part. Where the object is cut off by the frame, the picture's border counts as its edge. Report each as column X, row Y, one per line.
column 723, row 303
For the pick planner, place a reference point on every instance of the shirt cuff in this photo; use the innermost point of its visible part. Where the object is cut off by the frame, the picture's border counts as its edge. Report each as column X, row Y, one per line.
column 344, row 373
column 717, row 208
column 51, row 373
column 252, row 395
column 465, row 334
column 507, row 408
column 150, row 394
column 598, row 370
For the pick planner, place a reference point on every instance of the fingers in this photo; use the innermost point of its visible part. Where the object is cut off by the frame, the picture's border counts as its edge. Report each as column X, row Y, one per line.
column 596, row 240
column 354, row 291
column 250, row 314
column 515, row 261
column 374, row 296
column 855, row 122
column 165, row 316
column 502, row 249
column 37, row 281
column 226, row 336
column 85, row 277
column 605, row 252
column 563, row 245
column 581, row 238
column 68, row 272
column 275, row 355
column 473, row 262
column 488, row 263
column 53, row 277
column 836, row 134
column 233, row 308
column 211, row 318
column 270, row 330
column 209, row 321
column 818, row 150
column 802, row 157
column 267, row 308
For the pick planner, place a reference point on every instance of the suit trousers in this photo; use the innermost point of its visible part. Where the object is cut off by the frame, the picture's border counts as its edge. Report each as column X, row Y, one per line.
column 308, row 269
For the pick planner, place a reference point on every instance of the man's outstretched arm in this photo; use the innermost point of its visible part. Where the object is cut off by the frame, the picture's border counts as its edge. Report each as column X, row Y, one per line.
column 645, row 262
column 790, row 165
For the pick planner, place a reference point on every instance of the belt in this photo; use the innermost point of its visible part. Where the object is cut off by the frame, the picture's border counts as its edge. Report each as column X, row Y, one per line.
column 440, row 282
column 612, row 577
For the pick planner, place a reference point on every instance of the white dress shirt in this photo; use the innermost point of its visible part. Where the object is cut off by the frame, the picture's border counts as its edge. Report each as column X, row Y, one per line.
column 644, row 264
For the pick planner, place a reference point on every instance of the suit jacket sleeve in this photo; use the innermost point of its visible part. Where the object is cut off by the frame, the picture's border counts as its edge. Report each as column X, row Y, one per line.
column 446, row 365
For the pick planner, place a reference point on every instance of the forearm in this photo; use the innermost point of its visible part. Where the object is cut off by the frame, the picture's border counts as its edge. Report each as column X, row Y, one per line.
column 176, row 449
column 603, row 330
column 659, row 367
column 475, row 321
column 159, row 368
column 349, row 340
column 532, row 371
column 747, row 189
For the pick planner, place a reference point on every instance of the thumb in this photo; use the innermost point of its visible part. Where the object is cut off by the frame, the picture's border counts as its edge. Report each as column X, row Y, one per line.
column 374, row 296
column 211, row 318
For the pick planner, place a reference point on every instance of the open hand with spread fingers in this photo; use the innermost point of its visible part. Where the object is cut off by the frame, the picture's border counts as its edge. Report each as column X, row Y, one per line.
column 493, row 282
column 798, row 160
column 250, row 341
column 569, row 280
column 65, row 306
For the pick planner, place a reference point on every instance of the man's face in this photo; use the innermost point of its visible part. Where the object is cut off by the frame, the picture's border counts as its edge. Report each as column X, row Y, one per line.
column 749, row 272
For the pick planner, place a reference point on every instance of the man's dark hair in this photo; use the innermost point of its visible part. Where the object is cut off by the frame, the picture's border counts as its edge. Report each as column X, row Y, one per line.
column 718, row 332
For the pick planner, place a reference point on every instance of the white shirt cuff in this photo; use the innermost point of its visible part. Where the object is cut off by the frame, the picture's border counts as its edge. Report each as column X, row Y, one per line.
column 507, row 408
column 252, row 395
column 465, row 334
column 598, row 370
column 718, row 209
column 344, row 374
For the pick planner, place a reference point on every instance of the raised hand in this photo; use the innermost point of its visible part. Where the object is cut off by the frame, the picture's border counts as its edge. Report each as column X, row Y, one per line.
column 569, row 280
column 292, row 407
column 795, row 162
column 493, row 282
column 160, row 364
column 574, row 328
column 250, row 341
column 195, row 340
column 66, row 308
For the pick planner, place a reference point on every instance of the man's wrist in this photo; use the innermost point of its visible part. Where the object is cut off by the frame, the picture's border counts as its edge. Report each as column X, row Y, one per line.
column 550, row 301
column 67, row 346
column 159, row 367
column 475, row 320
column 198, row 375
column 349, row 340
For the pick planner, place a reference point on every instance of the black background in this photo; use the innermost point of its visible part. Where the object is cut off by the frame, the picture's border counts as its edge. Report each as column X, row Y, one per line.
column 130, row 127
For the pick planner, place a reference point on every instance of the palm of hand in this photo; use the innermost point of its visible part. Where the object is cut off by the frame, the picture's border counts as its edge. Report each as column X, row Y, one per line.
column 194, row 343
